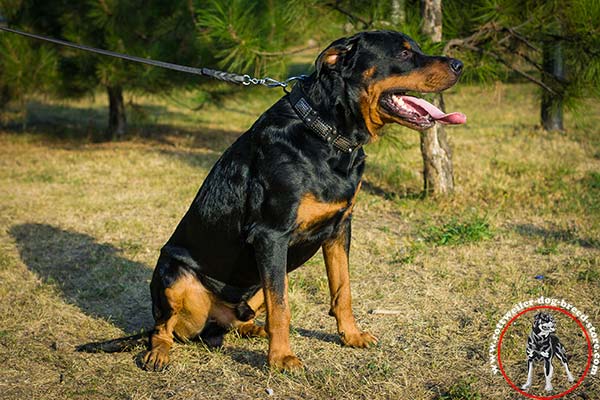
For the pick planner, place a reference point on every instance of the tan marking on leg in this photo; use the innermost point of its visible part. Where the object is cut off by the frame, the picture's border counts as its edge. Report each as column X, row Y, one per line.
column 278, row 328
column 190, row 304
column 249, row 328
column 336, row 262
column 257, row 302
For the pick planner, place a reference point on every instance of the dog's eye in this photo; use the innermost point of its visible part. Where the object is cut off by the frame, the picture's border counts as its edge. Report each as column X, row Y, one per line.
column 404, row 54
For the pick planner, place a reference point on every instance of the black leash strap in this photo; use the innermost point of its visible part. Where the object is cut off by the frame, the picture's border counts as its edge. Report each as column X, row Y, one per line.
column 220, row 75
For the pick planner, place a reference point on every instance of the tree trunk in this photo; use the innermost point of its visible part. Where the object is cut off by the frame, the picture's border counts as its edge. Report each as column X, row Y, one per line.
column 438, row 175
column 398, row 16
column 117, row 120
column 431, row 11
column 552, row 105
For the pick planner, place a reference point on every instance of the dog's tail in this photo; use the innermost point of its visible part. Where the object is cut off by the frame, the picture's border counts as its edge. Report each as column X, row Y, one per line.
column 123, row 344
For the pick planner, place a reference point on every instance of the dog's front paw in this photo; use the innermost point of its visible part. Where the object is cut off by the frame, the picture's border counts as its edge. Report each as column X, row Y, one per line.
column 155, row 360
column 526, row 386
column 286, row 362
column 358, row 339
column 548, row 388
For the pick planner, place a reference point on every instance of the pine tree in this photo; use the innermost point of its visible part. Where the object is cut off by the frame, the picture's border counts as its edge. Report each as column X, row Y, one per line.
column 26, row 68
column 438, row 175
column 153, row 29
column 554, row 44
column 258, row 37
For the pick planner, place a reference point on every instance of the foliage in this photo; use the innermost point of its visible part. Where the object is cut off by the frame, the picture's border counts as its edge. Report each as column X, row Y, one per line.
column 152, row 29
column 259, row 36
column 506, row 36
column 25, row 68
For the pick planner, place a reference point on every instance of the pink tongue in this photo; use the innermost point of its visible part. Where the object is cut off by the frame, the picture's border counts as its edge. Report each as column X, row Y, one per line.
column 436, row 113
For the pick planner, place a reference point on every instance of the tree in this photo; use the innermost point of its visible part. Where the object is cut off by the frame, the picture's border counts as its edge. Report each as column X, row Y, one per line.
column 437, row 157
column 153, row 29
column 257, row 37
column 25, row 68
column 553, row 44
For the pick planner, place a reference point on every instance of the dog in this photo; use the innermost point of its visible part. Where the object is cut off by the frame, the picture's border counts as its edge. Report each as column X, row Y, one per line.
column 285, row 189
column 544, row 345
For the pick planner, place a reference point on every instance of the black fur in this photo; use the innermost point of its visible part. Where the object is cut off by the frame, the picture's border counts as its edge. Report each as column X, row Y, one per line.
column 241, row 232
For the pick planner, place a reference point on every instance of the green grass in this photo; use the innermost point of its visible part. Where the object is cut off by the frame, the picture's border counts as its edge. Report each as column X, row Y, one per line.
column 82, row 223
column 461, row 391
column 456, row 232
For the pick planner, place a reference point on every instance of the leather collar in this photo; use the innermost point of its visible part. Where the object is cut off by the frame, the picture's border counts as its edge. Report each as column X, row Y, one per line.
column 311, row 118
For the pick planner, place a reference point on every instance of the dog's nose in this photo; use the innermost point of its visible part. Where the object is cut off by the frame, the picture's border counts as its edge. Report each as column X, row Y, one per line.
column 456, row 66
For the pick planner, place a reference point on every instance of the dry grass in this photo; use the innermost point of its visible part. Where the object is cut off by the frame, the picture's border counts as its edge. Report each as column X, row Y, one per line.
column 81, row 225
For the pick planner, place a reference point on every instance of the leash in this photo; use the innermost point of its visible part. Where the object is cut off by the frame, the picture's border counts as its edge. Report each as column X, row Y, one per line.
column 245, row 80
column 297, row 98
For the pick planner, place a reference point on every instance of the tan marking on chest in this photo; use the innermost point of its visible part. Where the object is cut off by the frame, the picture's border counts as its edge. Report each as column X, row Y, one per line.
column 311, row 211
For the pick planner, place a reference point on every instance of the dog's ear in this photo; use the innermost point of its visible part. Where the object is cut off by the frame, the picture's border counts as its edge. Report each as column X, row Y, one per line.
column 336, row 55
column 536, row 319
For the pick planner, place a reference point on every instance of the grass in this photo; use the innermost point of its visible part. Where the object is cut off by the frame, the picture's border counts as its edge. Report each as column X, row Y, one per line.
column 81, row 224
column 471, row 230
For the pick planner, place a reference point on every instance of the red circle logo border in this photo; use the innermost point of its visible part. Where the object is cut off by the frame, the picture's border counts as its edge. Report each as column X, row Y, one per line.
column 556, row 396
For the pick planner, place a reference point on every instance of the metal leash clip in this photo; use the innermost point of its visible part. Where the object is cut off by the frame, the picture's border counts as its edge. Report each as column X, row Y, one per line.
column 270, row 82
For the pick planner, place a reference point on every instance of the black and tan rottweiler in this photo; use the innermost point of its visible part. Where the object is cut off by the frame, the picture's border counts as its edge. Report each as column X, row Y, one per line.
column 285, row 189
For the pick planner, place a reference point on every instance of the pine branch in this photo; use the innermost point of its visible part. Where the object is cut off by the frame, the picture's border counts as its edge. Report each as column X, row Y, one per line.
column 497, row 57
column 336, row 6
column 284, row 52
column 483, row 35
column 513, row 33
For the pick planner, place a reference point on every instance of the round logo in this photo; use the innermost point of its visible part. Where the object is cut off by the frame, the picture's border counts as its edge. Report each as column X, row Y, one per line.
column 544, row 349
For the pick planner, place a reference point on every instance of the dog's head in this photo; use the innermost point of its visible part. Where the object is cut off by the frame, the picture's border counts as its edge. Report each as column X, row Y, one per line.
column 543, row 324
column 378, row 69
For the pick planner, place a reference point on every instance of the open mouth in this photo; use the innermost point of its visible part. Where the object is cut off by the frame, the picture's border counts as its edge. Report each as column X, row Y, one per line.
column 416, row 112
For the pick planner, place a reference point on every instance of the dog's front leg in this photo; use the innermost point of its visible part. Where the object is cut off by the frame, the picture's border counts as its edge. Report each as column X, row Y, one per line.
column 548, row 371
column 271, row 257
column 335, row 252
column 527, row 384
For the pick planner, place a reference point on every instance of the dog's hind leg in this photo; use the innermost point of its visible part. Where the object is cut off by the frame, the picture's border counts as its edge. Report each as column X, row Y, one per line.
column 548, row 371
column 561, row 354
column 569, row 375
column 527, row 384
column 182, row 311
column 249, row 328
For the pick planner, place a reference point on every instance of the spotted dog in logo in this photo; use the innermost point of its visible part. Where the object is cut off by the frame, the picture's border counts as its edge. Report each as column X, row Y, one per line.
column 544, row 345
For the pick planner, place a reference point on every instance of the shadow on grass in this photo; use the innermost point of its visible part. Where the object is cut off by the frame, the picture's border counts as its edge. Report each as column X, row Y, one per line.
column 91, row 275
column 560, row 235
column 85, row 124
column 377, row 190
column 241, row 355
column 322, row 336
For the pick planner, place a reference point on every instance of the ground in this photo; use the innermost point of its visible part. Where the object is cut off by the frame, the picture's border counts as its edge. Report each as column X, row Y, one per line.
column 81, row 225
